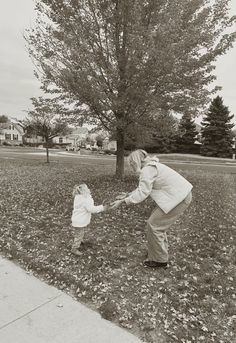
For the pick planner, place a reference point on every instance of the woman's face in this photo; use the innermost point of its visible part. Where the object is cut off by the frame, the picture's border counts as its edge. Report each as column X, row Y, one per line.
column 134, row 167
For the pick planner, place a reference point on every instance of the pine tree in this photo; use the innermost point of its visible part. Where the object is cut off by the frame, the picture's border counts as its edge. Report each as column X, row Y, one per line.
column 216, row 131
column 186, row 134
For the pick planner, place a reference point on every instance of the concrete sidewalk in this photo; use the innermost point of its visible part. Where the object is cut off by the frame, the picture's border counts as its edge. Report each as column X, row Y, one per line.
column 33, row 312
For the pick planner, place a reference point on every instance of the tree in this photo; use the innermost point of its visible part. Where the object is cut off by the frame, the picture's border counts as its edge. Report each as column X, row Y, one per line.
column 216, row 130
column 45, row 120
column 156, row 135
column 4, row 119
column 186, row 134
column 99, row 140
column 165, row 127
column 118, row 61
column 4, row 122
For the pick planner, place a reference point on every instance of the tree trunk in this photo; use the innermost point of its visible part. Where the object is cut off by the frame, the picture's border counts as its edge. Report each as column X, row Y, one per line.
column 47, row 151
column 120, row 153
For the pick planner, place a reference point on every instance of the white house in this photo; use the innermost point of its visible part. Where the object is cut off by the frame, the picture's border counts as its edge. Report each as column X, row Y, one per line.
column 109, row 145
column 11, row 132
column 76, row 136
column 34, row 139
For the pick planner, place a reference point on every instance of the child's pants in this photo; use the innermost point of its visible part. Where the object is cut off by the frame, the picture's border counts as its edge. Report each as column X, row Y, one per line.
column 78, row 237
column 157, row 225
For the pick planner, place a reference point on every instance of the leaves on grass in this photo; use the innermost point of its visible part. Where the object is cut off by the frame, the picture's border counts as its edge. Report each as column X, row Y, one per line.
column 194, row 300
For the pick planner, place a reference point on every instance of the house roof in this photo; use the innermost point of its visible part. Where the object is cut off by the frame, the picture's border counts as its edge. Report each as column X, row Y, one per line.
column 19, row 128
column 14, row 123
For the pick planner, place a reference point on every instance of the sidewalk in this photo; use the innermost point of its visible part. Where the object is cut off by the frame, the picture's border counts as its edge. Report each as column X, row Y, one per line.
column 33, row 312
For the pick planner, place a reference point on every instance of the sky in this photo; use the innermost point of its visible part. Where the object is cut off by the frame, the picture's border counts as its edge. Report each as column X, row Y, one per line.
column 18, row 83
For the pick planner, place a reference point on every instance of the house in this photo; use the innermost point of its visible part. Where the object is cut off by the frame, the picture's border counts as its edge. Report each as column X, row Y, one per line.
column 33, row 139
column 11, row 132
column 75, row 138
column 109, row 144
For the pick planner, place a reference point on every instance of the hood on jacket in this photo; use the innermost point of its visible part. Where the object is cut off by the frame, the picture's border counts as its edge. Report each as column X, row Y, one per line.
column 153, row 160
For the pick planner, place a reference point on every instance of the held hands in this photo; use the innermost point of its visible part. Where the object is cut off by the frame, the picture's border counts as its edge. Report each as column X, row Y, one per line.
column 106, row 205
column 115, row 204
column 112, row 205
column 119, row 199
column 121, row 195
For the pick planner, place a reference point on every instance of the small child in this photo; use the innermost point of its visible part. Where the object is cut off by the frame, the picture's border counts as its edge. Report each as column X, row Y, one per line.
column 81, row 215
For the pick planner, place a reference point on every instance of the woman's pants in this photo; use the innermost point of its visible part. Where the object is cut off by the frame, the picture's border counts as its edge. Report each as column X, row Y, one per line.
column 157, row 225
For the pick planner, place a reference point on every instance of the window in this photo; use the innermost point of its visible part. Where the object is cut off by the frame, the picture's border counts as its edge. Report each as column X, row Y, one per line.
column 10, row 127
column 60, row 140
column 15, row 137
column 7, row 136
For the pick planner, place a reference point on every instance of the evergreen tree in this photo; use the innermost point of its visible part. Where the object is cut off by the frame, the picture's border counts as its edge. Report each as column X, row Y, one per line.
column 156, row 135
column 186, row 134
column 216, row 131
column 163, row 134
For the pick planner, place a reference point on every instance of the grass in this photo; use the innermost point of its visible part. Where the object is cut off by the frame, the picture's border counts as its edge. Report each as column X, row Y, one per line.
column 195, row 158
column 194, row 300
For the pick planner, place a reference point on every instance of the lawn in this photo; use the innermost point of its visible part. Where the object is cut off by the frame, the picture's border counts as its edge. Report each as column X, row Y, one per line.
column 194, row 300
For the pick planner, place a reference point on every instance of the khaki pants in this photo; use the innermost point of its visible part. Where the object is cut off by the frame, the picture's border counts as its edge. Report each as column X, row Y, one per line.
column 157, row 225
column 78, row 237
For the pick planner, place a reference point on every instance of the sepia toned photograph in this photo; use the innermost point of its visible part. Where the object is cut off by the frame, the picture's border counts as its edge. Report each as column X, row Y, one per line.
column 117, row 171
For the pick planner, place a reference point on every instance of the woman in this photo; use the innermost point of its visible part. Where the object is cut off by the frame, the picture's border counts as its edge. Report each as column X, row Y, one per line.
column 170, row 191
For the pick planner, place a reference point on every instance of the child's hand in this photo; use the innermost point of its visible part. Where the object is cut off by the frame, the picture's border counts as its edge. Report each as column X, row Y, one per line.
column 121, row 195
column 107, row 207
column 106, row 202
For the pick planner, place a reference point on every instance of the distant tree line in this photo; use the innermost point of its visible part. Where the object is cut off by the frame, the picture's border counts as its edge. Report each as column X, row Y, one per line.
column 168, row 135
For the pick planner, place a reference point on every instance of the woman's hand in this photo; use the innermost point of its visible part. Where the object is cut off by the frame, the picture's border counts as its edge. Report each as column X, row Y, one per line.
column 121, row 195
column 116, row 204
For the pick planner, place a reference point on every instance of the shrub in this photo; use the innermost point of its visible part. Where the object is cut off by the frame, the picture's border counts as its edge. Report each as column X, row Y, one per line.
column 107, row 151
column 6, row 143
column 94, row 148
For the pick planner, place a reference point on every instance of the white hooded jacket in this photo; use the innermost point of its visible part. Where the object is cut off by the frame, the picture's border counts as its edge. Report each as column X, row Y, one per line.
column 83, row 207
column 165, row 186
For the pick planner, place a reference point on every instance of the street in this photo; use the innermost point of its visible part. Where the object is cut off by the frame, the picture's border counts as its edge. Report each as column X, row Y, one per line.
column 59, row 156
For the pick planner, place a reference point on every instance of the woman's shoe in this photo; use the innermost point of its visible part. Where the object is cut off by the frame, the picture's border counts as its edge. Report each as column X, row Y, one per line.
column 76, row 252
column 154, row 264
